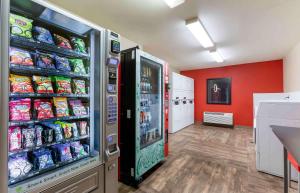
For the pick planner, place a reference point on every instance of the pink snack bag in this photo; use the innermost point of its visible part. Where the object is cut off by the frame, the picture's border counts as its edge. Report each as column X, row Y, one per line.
column 14, row 138
column 20, row 110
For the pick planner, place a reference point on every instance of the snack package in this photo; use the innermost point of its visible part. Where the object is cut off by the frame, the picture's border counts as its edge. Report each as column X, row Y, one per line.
column 14, row 138
column 62, row 42
column 18, row 166
column 48, row 136
column 42, row 84
column 78, row 150
column 19, row 56
column 78, row 66
column 86, row 148
column 43, row 159
column 20, row 26
column 78, row 44
column 78, row 86
column 43, row 108
column 39, row 135
column 62, row 63
column 45, row 61
column 75, row 130
column 57, row 130
column 67, row 128
column 43, row 35
column 77, row 108
column 63, row 152
column 20, row 110
column 61, row 106
column 28, row 137
column 62, row 84
column 83, row 128
column 20, row 84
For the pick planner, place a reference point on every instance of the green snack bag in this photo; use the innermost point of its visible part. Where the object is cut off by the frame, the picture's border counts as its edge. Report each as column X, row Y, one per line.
column 20, row 26
column 62, row 84
column 77, row 66
column 78, row 44
column 79, row 86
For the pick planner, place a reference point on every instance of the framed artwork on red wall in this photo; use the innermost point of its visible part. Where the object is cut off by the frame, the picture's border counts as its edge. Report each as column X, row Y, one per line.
column 219, row 91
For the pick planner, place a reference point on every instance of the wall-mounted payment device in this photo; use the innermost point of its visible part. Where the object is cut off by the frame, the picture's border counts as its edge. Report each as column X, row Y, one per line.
column 115, row 46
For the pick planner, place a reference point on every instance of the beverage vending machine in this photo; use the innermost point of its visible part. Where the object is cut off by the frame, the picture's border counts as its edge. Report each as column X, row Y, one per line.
column 58, row 101
column 142, row 114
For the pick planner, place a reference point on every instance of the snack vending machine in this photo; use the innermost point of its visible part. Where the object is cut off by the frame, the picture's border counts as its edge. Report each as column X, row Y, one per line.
column 142, row 114
column 166, row 77
column 56, row 89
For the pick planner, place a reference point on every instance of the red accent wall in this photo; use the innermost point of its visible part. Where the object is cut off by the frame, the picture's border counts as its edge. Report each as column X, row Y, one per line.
column 260, row 77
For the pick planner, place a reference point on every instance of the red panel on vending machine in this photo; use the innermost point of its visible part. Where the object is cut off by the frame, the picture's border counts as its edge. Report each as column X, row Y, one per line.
column 166, row 109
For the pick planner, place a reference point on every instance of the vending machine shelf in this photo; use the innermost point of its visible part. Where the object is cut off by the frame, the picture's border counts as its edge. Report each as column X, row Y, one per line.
column 32, row 44
column 19, row 123
column 37, row 95
column 44, row 71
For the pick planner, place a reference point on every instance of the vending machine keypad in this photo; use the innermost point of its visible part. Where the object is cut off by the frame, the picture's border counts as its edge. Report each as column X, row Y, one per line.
column 112, row 110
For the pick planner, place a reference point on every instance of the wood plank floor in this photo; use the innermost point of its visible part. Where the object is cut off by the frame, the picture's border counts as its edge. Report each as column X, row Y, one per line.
column 209, row 160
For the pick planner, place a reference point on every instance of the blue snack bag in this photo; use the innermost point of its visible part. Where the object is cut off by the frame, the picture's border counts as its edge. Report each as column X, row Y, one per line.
column 42, row 34
column 45, row 60
column 43, row 159
column 63, row 152
column 18, row 166
column 62, row 63
column 57, row 130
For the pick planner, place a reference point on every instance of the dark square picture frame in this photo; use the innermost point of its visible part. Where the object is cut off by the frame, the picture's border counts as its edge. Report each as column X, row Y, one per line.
column 219, row 91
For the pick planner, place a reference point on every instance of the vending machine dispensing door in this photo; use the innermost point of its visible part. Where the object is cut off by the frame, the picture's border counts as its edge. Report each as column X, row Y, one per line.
column 112, row 151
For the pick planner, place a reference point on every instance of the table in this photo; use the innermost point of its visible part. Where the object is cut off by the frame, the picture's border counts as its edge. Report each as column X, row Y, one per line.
column 290, row 139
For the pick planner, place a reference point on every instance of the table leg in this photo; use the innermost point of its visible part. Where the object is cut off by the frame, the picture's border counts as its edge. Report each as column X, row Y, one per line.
column 285, row 169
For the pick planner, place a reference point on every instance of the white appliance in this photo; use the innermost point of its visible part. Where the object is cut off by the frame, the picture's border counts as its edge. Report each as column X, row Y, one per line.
column 218, row 118
column 182, row 102
column 269, row 150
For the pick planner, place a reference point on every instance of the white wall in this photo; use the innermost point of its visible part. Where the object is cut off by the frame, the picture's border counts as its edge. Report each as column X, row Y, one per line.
column 291, row 70
column 126, row 43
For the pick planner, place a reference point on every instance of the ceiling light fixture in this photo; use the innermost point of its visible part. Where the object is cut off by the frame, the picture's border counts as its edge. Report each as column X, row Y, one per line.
column 198, row 30
column 174, row 3
column 217, row 56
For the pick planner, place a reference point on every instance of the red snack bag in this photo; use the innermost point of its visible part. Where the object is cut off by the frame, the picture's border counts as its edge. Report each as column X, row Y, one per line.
column 43, row 107
column 14, row 138
column 20, row 84
column 62, row 42
column 20, row 110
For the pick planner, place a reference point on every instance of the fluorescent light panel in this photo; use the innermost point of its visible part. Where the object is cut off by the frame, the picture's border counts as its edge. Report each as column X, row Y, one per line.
column 217, row 56
column 174, row 3
column 198, row 30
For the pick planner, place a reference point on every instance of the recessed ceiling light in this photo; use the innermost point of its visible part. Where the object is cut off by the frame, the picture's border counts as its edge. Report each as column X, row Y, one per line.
column 217, row 56
column 198, row 30
column 174, row 3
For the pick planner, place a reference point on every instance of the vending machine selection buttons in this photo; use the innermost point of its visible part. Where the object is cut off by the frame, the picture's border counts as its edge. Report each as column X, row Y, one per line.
column 112, row 109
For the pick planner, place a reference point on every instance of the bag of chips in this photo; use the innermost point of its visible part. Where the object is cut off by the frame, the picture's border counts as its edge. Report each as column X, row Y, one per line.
column 48, row 135
column 79, row 86
column 62, row 84
column 19, row 56
column 63, row 152
column 83, row 128
column 57, row 130
column 43, row 108
column 62, row 42
column 43, row 159
column 78, row 150
column 43, row 35
column 42, row 84
column 14, row 138
column 20, row 84
column 20, row 110
column 78, row 44
column 28, row 137
column 75, row 130
column 18, row 166
column 39, row 135
column 45, row 61
column 86, row 148
column 61, row 106
column 78, row 66
column 67, row 129
column 62, row 63
column 20, row 26
column 77, row 108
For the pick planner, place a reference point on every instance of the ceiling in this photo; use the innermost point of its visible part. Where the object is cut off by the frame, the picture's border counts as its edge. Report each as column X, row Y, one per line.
column 244, row 30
